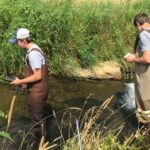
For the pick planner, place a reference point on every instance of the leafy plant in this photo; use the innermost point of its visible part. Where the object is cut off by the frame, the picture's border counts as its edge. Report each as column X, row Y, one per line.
column 3, row 133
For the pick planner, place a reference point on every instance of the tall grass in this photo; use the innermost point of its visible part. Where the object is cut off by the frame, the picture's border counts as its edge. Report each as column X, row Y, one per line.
column 93, row 130
column 99, row 1
column 101, row 136
column 72, row 35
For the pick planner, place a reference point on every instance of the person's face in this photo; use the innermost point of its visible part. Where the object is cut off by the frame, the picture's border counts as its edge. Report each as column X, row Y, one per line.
column 21, row 43
column 139, row 27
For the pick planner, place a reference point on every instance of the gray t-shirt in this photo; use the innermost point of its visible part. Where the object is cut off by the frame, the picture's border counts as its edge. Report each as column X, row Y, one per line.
column 144, row 43
column 35, row 58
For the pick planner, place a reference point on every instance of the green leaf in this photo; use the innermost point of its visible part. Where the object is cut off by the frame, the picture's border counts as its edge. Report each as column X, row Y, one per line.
column 5, row 134
column 2, row 114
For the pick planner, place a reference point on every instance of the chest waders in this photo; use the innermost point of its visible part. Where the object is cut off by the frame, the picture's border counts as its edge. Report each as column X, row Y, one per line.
column 142, row 88
column 37, row 98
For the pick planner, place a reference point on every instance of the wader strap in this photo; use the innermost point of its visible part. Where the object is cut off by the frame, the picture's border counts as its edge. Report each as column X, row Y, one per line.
column 34, row 49
column 136, row 43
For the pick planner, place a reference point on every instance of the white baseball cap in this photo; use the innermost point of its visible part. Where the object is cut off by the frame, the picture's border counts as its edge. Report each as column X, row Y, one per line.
column 21, row 33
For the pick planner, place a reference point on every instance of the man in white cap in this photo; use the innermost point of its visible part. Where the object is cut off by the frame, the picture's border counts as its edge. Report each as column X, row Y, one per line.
column 36, row 79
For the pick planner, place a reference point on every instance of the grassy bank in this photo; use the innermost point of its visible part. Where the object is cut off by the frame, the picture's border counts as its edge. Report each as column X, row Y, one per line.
column 72, row 33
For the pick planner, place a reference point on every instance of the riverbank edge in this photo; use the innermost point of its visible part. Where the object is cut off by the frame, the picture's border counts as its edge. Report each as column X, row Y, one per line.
column 108, row 70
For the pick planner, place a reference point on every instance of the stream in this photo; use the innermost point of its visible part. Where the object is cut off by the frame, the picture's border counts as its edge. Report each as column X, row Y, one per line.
column 64, row 94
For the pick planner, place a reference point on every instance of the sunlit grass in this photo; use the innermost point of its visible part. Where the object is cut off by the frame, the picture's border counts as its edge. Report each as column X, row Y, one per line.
column 98, row 1
column 71, row 35
column 106, row 1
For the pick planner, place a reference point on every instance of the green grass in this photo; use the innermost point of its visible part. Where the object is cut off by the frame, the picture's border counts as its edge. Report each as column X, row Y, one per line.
column 72, row 35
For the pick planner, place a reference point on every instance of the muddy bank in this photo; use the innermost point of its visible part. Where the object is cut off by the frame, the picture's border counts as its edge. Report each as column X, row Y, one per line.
column 105, row 70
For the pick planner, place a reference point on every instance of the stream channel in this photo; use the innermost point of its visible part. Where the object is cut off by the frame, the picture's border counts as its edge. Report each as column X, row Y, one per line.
column 65, row 96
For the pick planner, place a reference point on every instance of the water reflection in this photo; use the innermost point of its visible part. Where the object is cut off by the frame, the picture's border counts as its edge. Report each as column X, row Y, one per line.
column 64, row 90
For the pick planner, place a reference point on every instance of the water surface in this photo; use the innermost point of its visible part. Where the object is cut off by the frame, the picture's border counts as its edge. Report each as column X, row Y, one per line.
column 63, row 94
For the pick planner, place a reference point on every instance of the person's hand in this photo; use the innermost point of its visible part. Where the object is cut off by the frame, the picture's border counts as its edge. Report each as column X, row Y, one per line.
column 17, row 81
column 24, row 86
column 130, row 58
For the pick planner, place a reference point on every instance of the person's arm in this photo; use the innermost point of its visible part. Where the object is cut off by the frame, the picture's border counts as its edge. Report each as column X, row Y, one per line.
column 144, row 59
column 37, row 75
column 145, row 49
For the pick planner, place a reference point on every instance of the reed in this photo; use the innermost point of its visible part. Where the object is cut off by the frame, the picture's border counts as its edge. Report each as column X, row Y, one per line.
column 9, row 117
column 44, row 145
column 11, row 111
column 99, row 136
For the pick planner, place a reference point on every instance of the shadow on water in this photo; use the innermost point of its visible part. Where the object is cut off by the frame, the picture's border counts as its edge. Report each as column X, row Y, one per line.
column 69, row 99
